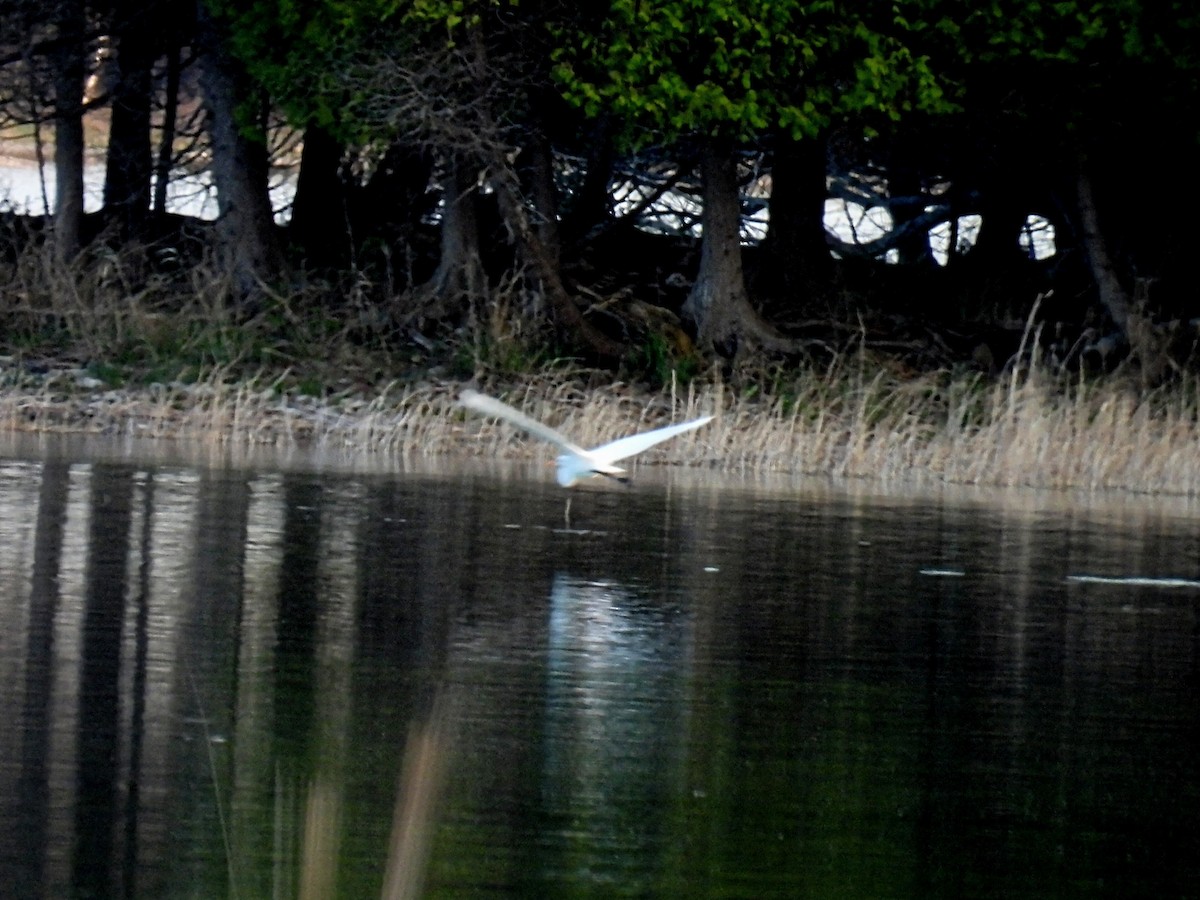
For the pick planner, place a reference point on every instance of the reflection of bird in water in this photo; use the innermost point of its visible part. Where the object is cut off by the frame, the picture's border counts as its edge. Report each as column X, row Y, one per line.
column 575, row 463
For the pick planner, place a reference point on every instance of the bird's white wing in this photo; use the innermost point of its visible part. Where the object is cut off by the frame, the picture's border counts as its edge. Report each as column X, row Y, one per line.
column 636, row 443
column 490, row 406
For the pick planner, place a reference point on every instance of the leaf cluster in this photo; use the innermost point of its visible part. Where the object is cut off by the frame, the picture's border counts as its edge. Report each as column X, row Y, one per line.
column 299, row 51
column 743, row 67
column 665, row 69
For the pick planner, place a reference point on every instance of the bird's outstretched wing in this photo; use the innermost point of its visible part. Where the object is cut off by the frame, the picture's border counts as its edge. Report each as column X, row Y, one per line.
column 636, row 443
column 490, row 406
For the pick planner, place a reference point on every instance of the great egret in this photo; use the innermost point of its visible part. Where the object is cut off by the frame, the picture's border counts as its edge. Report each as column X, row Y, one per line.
column 574, row 463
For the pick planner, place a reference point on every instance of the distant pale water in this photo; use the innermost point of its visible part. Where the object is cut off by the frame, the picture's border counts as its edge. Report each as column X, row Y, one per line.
column 268, row 682
column 23, row 191
column 193, row 194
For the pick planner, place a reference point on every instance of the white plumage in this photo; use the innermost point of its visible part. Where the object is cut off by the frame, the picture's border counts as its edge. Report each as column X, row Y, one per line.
column 574, row 463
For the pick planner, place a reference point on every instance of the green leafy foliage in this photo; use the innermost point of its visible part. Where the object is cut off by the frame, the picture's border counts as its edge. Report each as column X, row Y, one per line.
column 738, row 68
column 743, row 67
column 299, row 51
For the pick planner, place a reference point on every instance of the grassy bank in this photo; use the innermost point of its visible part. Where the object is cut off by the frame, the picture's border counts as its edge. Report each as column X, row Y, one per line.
column 115, row 346
column 1029, row 429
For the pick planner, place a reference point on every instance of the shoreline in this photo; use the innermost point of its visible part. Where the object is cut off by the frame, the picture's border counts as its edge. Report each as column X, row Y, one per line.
column 1026, row 437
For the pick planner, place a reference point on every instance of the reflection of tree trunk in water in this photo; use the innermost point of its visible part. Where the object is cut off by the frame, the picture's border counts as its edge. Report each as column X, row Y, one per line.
column 26, row 872
column 419, row 790
column 99, row 750
column 139, row 602
column 299, row 608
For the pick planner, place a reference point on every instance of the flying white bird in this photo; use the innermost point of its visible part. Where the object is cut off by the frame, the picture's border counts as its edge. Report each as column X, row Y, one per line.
column 574, row 463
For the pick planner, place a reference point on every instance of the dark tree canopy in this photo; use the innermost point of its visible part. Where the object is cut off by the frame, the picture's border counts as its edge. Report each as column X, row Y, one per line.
column 639, row 146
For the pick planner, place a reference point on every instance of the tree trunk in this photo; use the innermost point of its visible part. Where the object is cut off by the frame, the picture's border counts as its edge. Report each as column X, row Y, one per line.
column 396, row 198
column 247, row 242
column 1113, row 296
column 1148, row 345
column 569, row 322
column 166, row 146
column 796, row 254
column 68, row 130
column 129, row 167
column 460, row 272
column 540, row 260
column 907, row 202
column 538, row 176
column 720, row 284
column 1004, row 208
column 590, row 205
column 718, row 308
column 318, row 223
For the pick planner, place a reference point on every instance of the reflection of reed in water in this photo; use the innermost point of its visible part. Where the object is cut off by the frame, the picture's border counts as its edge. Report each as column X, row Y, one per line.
column 414, row 817
column 322, row 828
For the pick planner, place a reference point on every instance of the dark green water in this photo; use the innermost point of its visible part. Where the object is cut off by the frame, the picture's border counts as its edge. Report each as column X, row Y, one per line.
column 267, row 683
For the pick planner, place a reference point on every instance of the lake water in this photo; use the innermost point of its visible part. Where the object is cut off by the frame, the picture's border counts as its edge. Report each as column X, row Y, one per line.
column 311, row 681
column 25, row 190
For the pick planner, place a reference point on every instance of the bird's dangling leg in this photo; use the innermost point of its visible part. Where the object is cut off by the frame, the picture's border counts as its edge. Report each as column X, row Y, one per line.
column 567, row 513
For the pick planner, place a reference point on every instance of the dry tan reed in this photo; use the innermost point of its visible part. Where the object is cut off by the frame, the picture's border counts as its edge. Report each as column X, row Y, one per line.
column 1031, row 430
